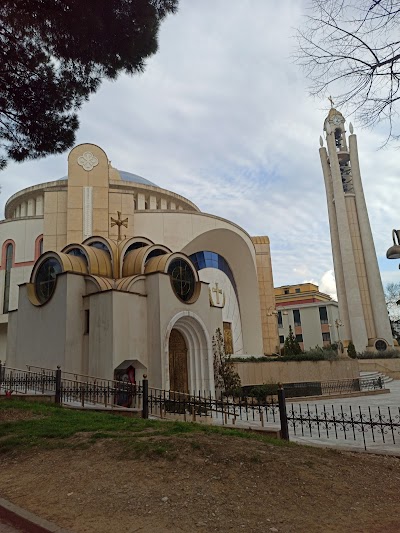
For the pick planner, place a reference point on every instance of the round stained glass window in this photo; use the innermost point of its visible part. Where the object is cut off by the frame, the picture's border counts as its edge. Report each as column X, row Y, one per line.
column 46, row 278
column 182, row 278
column 380, row 345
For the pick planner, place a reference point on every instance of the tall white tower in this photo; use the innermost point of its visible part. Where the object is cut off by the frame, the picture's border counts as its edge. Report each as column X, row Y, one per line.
column 362, row 305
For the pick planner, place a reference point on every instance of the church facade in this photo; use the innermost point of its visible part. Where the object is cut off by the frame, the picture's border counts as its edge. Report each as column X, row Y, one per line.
column 107, row 274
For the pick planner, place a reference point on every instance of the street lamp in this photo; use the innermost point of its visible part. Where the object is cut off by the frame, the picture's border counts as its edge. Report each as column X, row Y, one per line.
column 338, row 324
column 394, row 251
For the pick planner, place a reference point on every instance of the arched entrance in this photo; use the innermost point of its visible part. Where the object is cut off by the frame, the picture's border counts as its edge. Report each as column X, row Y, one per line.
column 195, row 341
column 178, row 362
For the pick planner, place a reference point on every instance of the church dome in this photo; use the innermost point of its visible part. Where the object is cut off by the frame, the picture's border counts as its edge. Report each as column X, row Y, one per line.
column 128, row 176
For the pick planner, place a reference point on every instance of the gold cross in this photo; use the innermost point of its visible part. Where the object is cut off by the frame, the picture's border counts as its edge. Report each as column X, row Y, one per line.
column 218, row 292
column 331, row 101
column 118, row 222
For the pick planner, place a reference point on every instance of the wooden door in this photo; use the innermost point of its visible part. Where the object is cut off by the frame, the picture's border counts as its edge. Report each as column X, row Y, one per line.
column 178, row 366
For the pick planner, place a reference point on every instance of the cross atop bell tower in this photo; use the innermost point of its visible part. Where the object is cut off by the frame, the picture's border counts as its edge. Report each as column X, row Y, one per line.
column 362, row 305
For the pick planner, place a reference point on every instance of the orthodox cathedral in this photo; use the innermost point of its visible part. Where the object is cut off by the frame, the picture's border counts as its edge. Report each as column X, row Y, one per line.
column 104, row 273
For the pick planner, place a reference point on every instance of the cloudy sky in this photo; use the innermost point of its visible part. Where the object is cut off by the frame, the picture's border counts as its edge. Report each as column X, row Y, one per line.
column 223, row 117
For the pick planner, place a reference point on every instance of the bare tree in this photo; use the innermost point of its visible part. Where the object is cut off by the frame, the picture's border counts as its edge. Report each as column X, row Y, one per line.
column 392, row 296
column 351, row 49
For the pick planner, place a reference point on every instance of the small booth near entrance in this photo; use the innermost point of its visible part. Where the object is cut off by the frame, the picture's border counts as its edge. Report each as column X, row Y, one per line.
column 131, row 372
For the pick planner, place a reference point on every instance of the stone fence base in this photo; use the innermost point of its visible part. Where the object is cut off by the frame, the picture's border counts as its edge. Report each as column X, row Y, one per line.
column 297, row 371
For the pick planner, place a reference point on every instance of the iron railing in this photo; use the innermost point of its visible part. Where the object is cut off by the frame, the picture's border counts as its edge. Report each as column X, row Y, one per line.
column 89, row 390
column 318, row 422
column 225, row 408
column 14, row 380
column 345, row 423
column 108, row 393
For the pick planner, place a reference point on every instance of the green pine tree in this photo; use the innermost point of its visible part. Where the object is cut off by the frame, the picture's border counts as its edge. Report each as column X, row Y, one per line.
column 351, row 350
column 291, row 346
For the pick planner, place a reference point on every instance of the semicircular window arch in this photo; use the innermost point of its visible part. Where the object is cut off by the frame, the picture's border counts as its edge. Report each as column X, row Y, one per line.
column 101, row 246
column 207, row 259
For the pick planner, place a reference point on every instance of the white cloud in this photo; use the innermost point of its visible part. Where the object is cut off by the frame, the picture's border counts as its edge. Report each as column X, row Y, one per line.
column 328, row 284
column 221, row 115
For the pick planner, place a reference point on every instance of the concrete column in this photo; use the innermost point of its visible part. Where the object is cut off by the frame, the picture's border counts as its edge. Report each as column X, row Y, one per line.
column 379, row 309
column 23, row 209
column 354, row 305
column 269, row 323
column 163, row 204
column 31, row 211
column 153, row 202
column 18, row 211
column 335, row 243
column 172, row 205
column 39, row 205
column 141, row 201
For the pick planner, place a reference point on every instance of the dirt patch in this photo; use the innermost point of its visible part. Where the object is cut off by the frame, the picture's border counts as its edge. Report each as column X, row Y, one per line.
column 205, row 483
column 14, row 415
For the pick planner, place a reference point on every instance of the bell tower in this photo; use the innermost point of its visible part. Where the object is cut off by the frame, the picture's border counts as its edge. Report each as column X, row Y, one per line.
column 362, row 305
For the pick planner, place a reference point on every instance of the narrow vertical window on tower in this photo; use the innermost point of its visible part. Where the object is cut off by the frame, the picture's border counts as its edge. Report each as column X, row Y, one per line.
column 7, row 277
column 338, row 138
column 347, row 178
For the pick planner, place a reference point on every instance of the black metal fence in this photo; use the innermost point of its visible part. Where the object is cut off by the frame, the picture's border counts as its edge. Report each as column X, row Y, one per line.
column 13, row 380
column 367, row 425
column 86, row 390
column 226, row 409
column 371, row 425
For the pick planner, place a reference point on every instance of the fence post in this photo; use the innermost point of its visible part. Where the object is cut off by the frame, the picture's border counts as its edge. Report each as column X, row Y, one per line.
column 282, row 412
column 145, row 397
column 1, row 374
column 58, row 385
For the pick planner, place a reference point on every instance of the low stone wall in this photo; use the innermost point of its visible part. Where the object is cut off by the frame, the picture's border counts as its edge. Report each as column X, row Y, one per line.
column 297, row 371
column 390, row 367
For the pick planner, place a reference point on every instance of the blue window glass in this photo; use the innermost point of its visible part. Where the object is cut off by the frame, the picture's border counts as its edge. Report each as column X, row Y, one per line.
column 201, row 262
column 208, row 259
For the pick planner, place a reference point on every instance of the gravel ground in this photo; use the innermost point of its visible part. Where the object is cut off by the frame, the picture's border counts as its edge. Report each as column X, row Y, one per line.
column 205, row 483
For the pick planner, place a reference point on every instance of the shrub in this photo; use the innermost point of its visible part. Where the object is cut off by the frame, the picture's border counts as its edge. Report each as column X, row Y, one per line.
column 260, row 392
column 351, row 350
column 387, row 354
column 291, row 346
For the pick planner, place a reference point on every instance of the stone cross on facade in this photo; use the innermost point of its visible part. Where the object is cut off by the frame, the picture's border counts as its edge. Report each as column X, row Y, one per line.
column 331, row 101
column 218, row 291
column 118, row 222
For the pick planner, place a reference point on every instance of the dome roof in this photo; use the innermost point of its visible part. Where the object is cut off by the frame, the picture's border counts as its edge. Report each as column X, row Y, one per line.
column 128, row 176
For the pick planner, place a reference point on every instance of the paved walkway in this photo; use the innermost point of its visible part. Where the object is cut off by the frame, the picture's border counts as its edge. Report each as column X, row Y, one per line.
column 378, row 407
column 375, row 407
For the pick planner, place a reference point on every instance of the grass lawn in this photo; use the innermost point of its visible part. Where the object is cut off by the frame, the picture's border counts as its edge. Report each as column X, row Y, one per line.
column 33, row 424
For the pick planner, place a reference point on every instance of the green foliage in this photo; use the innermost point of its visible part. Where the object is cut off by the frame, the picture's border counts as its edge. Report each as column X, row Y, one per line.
column 351, row 350
column 387, row 354
column 291, row 346
column 260, row 392
column 314, row 354
column 54, row 55
column 226, row 378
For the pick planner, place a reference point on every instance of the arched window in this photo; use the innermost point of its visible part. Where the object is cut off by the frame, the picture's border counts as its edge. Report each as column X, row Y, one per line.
column 41, row 246
column 7, row 278
column 206, row 259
